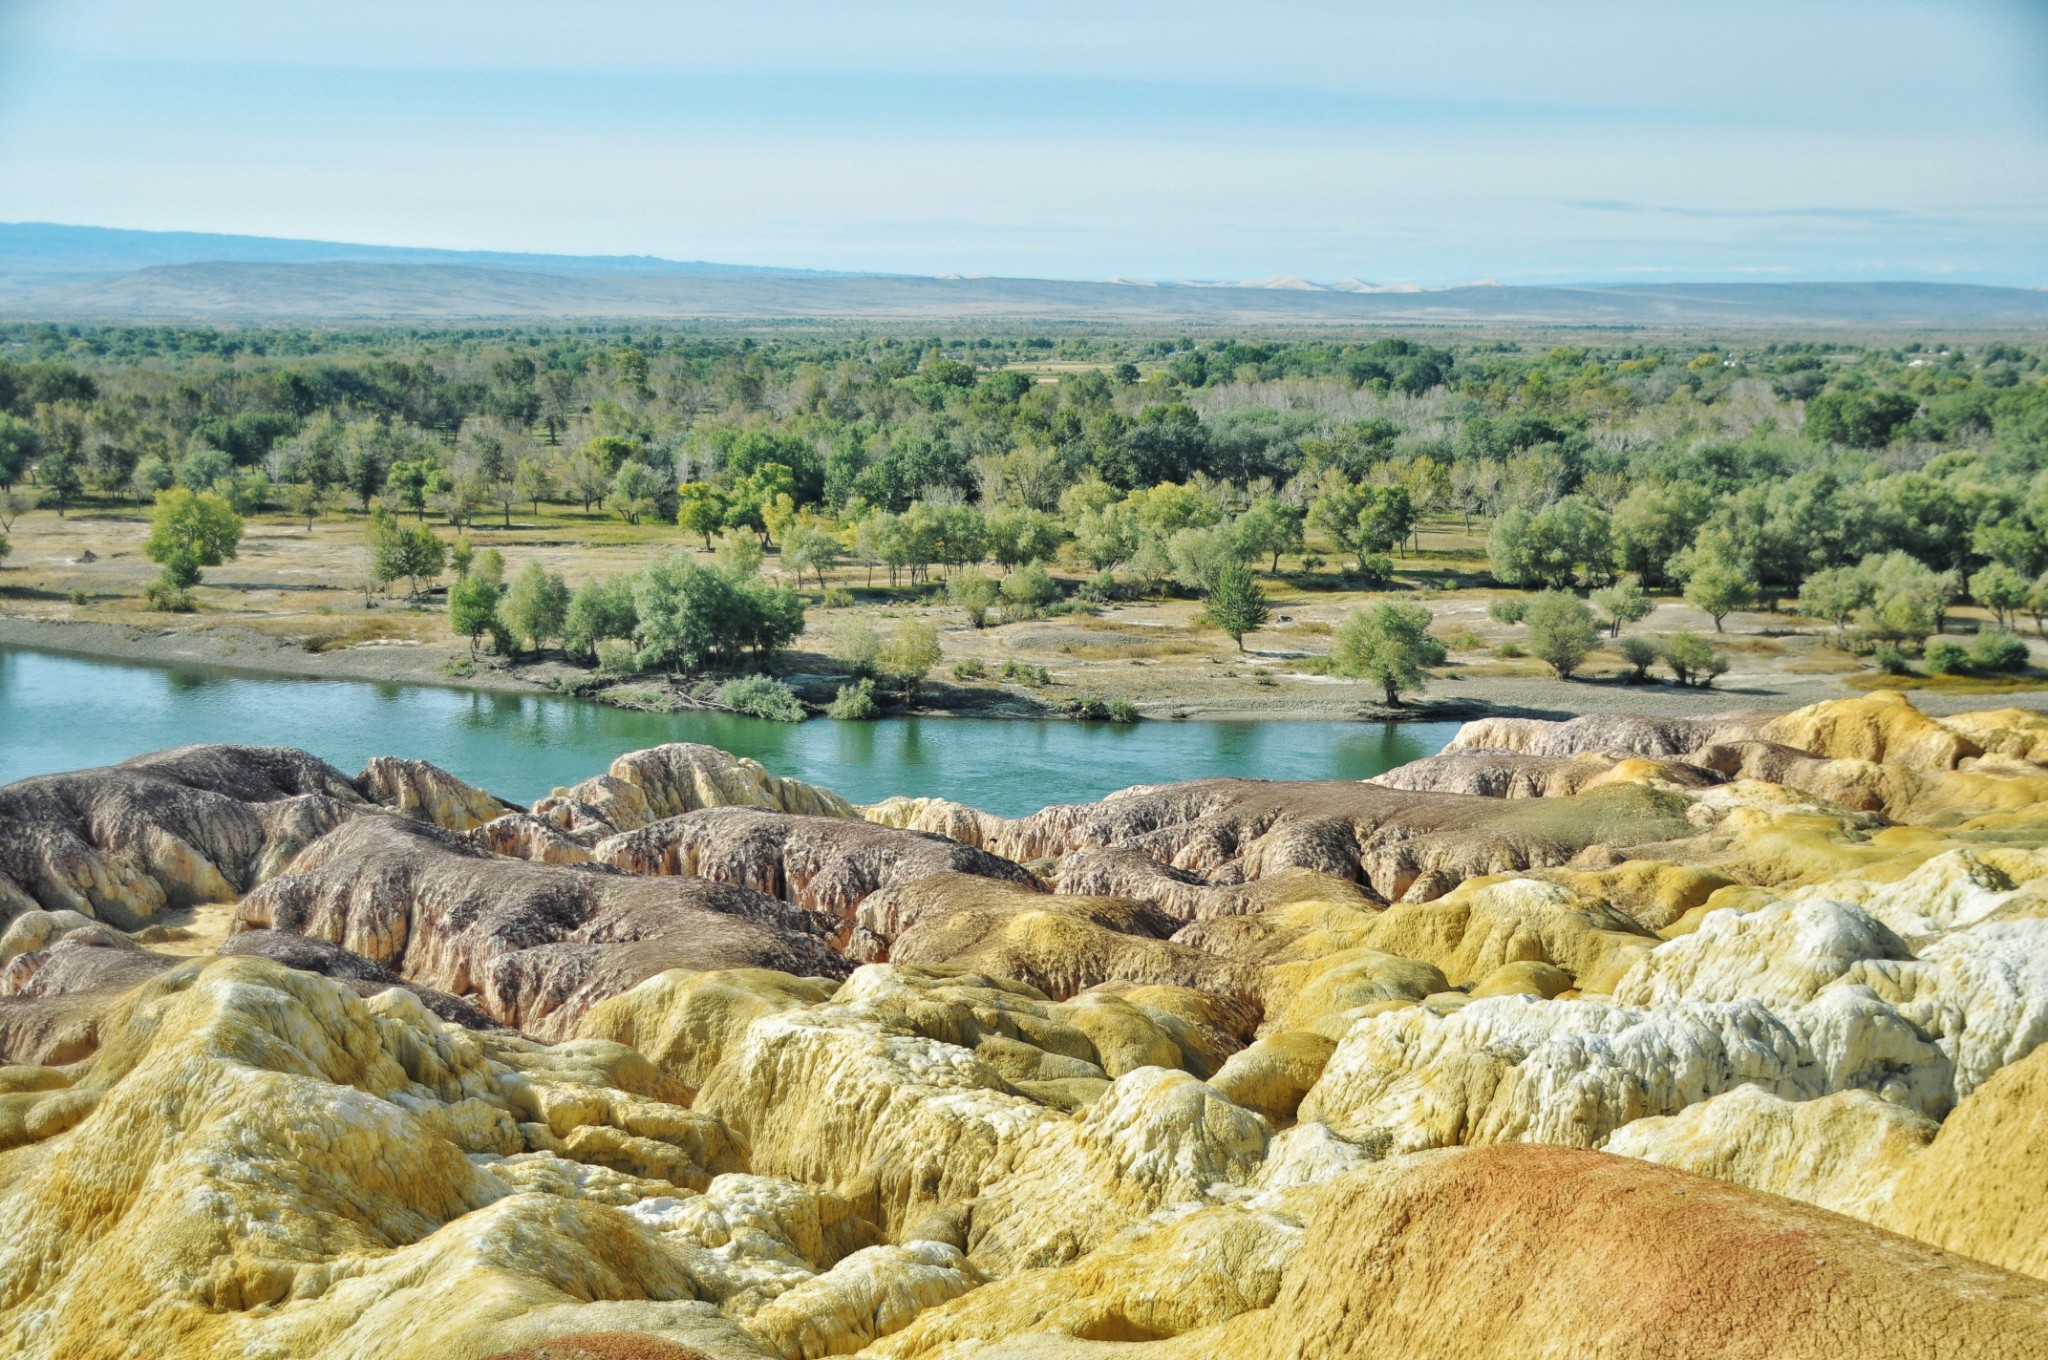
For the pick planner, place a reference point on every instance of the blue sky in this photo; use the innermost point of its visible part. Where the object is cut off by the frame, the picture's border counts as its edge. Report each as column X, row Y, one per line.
column 1436, row 143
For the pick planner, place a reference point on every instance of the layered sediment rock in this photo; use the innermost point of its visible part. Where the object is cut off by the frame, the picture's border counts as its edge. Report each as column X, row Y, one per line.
column 824, row 864
column 533, row 945
column 128, row 842
column 1748, row 1014
column 668, row 781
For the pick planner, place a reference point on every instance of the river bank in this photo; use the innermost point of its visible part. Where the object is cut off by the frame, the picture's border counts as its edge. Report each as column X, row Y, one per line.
column 1452, row 695
column 293, row 604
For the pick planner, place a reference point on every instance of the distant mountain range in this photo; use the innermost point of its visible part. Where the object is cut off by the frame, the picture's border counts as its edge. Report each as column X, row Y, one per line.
column 92, row 273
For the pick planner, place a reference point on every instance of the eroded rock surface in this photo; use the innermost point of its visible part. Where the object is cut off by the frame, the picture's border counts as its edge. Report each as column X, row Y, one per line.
column 1625, row 1037
column 533, row 945
column 825, row 864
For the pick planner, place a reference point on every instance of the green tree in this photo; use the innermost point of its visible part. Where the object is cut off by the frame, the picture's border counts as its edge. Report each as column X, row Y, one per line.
column 1717, row 582
column 1624, row 602
column 1029, row 589
column 1270, row 527
column 1560, row 631
column 536, row 607
column 1906, row 599
column 1017, row 535
column 204, row 468
column 1864, row 420
column 1653, row 523
column 425, row 555
column 151, row 475
column 701, row 509
column 1385, row 516
column 1235, row 603
column 21, row 445
column 473, row 609
column 1196, row 557
column 1835, row 594
column 599, row 610
column 409, row 550
column 634, row 489
column 1388, row 643
column 60, row 474
column 959, row 534
column 306, row 501
column 413, row 480
column 190, row 530
column 1511, row 548
column 812, row 549
column 1106, row 536
column 2001, row 590
column 1641, row 654
column 1335, row 510
column 689, row 616
column 535, row 481
column 364, row 461
column 908, row 654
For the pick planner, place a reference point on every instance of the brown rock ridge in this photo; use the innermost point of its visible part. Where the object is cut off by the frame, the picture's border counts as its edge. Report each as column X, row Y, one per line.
column 824, row 864
column 1517, row 774
column 532, row 945
column 52, row 999
column 1395, row 842
column 1188, row 897
column 128, row 842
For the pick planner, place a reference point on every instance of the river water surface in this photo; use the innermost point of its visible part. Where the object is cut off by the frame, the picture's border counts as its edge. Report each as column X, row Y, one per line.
column 65, row 713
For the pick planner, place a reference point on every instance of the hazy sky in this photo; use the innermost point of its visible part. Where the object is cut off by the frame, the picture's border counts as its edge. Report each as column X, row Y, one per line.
column 1434, row 142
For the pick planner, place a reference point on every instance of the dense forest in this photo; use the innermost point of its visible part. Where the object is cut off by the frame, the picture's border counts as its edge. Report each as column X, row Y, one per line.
column 1883, row 481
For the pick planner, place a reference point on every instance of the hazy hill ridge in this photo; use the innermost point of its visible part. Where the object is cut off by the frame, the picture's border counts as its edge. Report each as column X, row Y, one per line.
column 60, row 272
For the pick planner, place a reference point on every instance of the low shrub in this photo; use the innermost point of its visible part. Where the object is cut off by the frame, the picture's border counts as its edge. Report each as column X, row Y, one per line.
column 1375, row 570
column 1891, row 661
column 167, row 599
column 759, row 696
column 1640, row 653
column 1025, row 673
column 1947, row 658
column 1462, row 639
column 1029, row 589
column 855, row 703
column 970, row 669
column 835, row 597
column 616, row 656
column 1997, row 652
column 1693, row 660
column 1107, row 589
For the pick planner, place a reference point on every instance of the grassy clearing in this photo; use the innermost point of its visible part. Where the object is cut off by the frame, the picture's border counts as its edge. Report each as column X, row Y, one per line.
column 1952, row 684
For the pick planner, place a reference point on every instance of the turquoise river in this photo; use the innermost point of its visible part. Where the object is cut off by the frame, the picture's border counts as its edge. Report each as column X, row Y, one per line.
column 62, row 712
